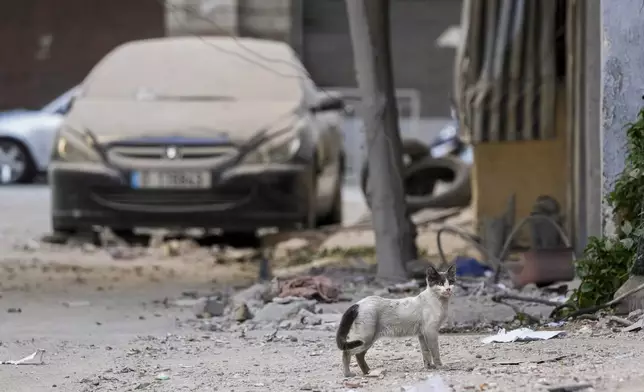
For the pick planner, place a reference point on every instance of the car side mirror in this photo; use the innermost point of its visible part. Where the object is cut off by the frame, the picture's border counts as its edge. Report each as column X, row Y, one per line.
column 66, row 108
column 328, row 103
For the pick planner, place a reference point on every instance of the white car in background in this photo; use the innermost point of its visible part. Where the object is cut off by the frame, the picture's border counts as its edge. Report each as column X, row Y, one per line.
column 27, row 137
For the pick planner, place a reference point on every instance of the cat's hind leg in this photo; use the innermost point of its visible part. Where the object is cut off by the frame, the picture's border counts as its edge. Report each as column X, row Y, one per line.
column 346, row 362
column 362, row 362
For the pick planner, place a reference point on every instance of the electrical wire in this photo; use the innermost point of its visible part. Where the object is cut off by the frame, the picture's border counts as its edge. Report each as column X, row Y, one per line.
column 515, row 232
column 497, row 261
column 379, row 113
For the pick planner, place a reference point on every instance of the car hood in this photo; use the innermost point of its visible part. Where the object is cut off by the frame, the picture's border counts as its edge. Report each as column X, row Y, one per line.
column 233, row 120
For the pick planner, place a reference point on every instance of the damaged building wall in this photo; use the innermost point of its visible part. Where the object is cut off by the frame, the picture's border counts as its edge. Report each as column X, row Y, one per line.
column 512, row 104
column 622, row 62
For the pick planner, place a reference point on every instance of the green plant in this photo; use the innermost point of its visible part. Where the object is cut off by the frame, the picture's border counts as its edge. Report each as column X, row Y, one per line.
column 602, row 270
column 608, row 260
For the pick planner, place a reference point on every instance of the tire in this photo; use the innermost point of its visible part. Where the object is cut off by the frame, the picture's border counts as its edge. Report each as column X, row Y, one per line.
column 413, row 149
column 29, row 172
column 459, row 193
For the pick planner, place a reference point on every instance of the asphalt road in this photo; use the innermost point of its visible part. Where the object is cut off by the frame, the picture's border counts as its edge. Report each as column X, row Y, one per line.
column 25, row 212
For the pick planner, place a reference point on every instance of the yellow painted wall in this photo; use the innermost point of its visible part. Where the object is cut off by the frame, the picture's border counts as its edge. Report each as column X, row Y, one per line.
column 528, row 169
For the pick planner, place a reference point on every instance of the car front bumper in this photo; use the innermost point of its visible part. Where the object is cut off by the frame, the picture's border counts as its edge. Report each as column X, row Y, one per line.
column 243, row 198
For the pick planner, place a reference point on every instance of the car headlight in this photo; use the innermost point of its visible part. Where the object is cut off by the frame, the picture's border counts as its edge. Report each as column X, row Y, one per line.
column 275, row 153
column 74, row 146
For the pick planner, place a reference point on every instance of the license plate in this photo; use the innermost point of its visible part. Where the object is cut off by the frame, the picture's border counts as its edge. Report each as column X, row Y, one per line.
column 150, row 179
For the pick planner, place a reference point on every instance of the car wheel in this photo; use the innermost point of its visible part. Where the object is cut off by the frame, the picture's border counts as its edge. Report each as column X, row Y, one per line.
column 413, row 151
column 16, row 163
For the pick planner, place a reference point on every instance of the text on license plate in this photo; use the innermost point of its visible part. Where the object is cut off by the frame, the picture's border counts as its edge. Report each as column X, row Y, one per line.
column 147, row 179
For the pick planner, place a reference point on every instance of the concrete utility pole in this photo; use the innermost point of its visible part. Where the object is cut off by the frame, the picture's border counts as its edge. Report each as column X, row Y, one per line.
column 395, row 242
column 622, row 62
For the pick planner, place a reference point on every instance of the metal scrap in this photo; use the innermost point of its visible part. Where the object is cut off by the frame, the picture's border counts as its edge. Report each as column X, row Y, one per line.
column 28, row 360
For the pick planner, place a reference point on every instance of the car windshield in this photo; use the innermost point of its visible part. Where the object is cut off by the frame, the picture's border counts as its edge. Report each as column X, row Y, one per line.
column 61, row 103
column 193, row 69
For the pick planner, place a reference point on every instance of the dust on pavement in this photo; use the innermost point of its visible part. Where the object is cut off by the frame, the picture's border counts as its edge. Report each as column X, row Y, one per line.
column 130, row 325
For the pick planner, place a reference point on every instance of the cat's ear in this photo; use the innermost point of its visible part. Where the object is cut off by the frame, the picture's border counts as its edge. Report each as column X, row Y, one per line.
column 451, row 271
column 432, row 273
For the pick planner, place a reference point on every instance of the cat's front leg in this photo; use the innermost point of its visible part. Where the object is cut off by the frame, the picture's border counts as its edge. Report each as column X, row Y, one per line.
column 432, row 343
column 427, row 360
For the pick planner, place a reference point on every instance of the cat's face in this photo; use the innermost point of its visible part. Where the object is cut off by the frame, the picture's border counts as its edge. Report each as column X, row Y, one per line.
column 441, row 282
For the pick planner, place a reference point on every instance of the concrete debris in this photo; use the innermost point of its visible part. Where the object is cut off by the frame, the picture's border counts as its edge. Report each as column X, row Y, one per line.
column 264, row 292
column 156, row 239
column 31, row 245
column 88, row 248
column 635, row 326
column 287, row 300
column 108, row 239
column 309, row 318
column 174, row 248
column 122, row 252
column 274, row 312
column 293, row 248
column 242, row 313
column 228, row 254
column 376, row 373
column 570, row 388
column 209, row 307
column 185, row 302
column 171, row 248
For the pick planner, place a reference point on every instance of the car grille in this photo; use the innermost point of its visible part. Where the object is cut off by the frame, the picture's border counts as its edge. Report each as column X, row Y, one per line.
column 159, row 152
column 168, row 198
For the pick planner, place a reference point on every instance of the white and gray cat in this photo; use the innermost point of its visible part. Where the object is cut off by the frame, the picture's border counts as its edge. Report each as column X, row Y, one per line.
column 375, row 317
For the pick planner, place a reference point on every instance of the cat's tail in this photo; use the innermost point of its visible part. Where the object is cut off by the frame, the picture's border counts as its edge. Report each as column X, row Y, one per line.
column 345, row 326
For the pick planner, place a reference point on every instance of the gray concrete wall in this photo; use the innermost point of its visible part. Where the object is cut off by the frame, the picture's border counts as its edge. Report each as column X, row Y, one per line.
column 265, row 19
column 201, row 17
column 622, row 62
column 249, row 18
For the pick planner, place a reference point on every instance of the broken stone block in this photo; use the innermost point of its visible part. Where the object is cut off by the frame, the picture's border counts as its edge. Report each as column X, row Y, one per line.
column 185, row 303
column 242, row 313
column 209, row 306
column 287, row 300
column 274, row 312
column 258, row 292
column 309, row 318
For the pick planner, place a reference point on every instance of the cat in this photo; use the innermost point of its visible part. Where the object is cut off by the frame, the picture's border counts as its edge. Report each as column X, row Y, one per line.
column 375, row 317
